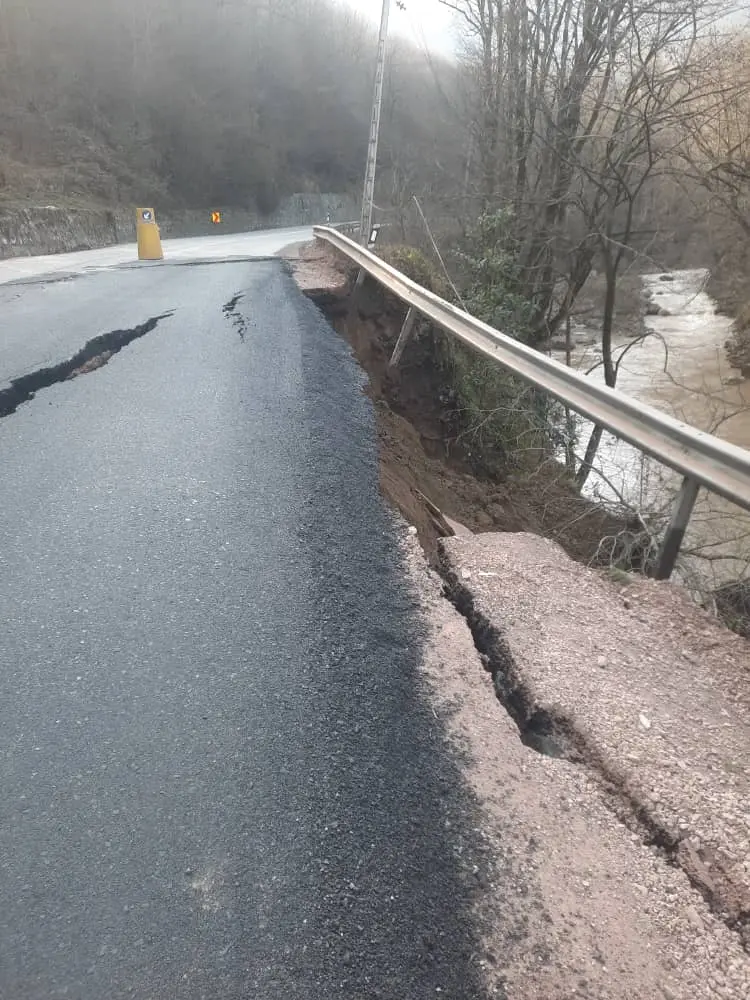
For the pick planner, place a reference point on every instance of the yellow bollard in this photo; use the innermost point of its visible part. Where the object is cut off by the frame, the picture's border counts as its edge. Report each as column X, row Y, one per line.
column 149, row 237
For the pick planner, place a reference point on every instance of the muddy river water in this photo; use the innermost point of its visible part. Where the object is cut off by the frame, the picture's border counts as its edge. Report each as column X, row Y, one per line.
column 682, row 369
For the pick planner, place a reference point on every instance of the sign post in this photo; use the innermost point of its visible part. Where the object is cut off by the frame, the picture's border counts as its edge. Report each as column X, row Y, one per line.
column 148, row 235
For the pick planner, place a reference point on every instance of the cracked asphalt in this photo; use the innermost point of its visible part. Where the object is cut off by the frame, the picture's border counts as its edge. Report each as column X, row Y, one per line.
column 220, row 777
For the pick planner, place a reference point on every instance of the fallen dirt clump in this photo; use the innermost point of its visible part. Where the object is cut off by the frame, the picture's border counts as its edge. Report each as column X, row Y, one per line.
column 321, row 274
column 422, row 454
column 579, row 906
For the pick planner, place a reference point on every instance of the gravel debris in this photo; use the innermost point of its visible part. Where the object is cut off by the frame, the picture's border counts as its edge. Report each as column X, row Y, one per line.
column 579, row 906
column 320, row 272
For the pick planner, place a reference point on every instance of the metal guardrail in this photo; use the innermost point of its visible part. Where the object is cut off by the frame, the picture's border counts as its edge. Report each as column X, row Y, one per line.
column 701, row 458
column 345, row 227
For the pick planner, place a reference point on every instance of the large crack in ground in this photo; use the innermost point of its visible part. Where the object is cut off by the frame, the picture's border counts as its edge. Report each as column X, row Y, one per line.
column 556, row 736
column 94, row 354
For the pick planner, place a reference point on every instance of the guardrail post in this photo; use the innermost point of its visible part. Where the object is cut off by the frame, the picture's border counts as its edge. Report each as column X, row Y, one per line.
column 406, row 332
column 683, row 508
column 360, row 280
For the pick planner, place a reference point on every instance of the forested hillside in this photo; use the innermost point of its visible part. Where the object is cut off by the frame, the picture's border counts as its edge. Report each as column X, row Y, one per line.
column 198, row 102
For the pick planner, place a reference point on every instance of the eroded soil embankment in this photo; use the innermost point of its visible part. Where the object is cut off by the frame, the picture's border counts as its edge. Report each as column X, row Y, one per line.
column 425, row 457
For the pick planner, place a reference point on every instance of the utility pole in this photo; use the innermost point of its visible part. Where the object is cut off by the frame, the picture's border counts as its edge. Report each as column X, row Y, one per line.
column 372, row 148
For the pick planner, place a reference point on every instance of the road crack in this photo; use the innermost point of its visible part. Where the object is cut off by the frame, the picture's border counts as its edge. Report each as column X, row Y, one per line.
column 94, row 354
column 235, row 317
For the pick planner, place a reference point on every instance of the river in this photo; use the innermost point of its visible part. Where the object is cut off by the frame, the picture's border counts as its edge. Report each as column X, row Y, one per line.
column 681, row 368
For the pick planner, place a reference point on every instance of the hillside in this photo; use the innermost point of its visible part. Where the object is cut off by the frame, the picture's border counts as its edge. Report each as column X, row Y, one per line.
column 201, row 102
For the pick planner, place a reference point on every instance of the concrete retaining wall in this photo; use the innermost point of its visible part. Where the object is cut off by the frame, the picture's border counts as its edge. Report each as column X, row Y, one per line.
column 48, row 229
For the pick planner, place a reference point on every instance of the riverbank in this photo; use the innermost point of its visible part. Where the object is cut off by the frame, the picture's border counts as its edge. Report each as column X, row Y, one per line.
column 424, row 468
column 728, row 286
column 680, row 366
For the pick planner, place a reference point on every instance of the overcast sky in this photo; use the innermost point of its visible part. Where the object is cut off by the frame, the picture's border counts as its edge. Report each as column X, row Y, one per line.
column 425, row 22
column 428, row 23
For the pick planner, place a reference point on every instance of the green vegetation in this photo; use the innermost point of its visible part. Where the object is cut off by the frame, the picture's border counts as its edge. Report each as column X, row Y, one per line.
column 416, row 265
column 495, row 291
column 733, row 606
column 504, row 423
column 510, row 424
column 502, row 420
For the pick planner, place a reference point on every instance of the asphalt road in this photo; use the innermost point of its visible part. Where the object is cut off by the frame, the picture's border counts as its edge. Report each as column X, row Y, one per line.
column 220, row 777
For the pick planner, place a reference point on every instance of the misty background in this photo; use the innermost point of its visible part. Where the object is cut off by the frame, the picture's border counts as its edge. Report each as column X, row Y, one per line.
column 212, row 102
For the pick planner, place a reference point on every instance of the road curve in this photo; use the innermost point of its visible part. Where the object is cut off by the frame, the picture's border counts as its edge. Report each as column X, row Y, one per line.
column 220, row 777
column 259, row 243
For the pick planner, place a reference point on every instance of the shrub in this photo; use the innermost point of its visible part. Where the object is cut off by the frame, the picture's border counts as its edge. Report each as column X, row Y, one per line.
column 415, row 265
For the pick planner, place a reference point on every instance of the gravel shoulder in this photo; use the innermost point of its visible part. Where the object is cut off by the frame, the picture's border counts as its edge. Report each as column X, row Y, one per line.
column 580, row 906
column 631, row 680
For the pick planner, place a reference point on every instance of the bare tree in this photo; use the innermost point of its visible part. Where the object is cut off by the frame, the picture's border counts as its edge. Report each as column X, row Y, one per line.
column 715, row 148
column 567, row 95
column 578, row 106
